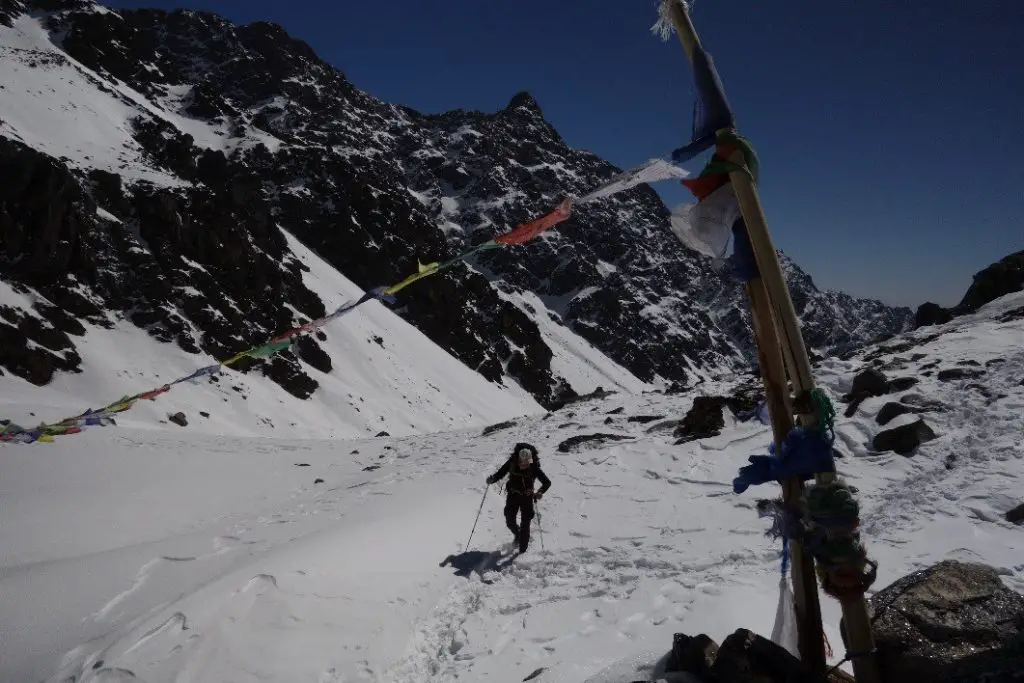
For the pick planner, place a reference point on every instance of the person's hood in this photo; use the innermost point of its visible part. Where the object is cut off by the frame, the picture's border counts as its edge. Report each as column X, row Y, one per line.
column 531, row 447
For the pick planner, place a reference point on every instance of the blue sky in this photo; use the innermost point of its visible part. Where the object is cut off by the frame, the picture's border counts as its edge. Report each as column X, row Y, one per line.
column 890, row 134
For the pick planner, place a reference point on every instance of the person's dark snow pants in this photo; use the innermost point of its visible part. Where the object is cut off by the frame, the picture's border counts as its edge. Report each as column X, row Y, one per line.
column 513, row 504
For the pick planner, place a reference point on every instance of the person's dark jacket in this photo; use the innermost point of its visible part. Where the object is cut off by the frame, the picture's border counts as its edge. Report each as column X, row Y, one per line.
column 520, row 482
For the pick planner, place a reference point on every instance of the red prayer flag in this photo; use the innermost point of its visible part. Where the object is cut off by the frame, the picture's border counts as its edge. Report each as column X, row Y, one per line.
column 527, row 231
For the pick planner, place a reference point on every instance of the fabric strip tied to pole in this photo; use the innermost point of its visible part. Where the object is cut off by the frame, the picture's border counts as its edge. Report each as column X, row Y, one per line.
column 711, row 111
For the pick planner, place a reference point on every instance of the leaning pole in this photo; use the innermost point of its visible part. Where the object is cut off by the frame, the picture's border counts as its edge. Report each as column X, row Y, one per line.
column 781, row 347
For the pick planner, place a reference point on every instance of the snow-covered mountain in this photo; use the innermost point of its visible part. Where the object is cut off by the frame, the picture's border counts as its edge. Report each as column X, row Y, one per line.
column 156, row 165
column 166, row 555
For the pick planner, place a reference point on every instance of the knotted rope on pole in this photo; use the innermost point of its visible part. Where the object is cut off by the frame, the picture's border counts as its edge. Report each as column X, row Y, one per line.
column 829, row 524
column 830, row 530
column 844, row 569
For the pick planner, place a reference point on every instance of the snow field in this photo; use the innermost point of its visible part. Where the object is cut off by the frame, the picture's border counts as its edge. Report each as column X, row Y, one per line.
column 184, row 557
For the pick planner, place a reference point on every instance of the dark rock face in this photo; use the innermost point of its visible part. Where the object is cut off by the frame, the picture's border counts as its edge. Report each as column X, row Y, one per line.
column 32, row 348
column 904, row 439
column 999, row 279
column 178, row 262
column 951, row 622
column 373, row 188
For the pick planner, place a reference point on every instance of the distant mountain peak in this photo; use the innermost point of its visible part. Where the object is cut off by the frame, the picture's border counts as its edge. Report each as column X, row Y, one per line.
column 525, row 100
column 205, row 138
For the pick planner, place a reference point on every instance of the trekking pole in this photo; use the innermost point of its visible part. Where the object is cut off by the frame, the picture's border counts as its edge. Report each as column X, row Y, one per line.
column 540, row 529
column 477, row 516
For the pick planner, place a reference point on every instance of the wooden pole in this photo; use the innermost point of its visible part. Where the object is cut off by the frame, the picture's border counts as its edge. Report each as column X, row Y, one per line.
column 810, row 636
column 776, row 308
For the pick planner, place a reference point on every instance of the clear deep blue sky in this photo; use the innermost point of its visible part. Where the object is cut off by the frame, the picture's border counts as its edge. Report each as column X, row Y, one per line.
column 890, row 134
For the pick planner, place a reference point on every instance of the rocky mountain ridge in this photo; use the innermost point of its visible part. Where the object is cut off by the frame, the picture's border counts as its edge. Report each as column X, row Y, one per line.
column 1003, row 277
column 206, row 139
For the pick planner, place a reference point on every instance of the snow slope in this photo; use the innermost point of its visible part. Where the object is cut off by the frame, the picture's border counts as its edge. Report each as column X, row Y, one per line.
column 584, row 367
column 386, row 376
column 56, row 105
column 131, row 554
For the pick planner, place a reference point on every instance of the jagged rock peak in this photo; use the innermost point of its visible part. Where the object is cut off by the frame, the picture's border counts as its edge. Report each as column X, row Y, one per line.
column 525, row 100
column 242, row 136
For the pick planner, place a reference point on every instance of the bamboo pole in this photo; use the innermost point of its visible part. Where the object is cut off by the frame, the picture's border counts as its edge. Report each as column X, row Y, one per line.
column 793, row 354
column 811, row 640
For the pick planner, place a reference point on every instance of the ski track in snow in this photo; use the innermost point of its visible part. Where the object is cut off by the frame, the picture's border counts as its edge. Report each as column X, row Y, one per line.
column 169, row 556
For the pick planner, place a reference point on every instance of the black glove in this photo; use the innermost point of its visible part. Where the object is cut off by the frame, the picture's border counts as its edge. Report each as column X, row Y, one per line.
column 491, row 480
column 537, row 496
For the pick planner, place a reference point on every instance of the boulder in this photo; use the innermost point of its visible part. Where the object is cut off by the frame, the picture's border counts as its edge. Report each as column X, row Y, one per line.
column 952, row 622
column 931, row 314
column 855, row 402
column 703, row 420
column 744, row 657
column 903, row 439
column 892, row 410
column 692, row 654
column 178, row 419
column 644, row 419
column 490, row 429
column 902, row 383
column 871, row 381
column 1016, row 515
column 569, row 444
column 920, row 401
column 1015, row 314
column 958, row 373
column 664, row 426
